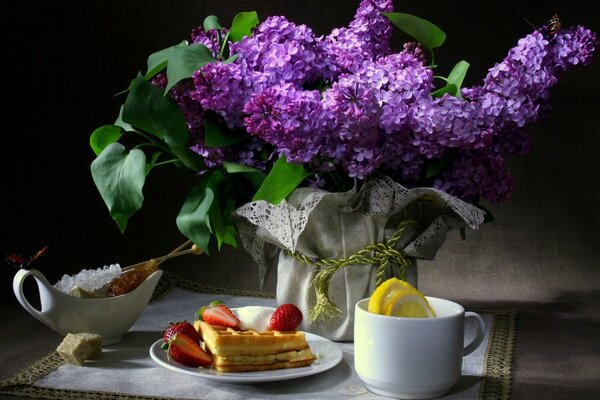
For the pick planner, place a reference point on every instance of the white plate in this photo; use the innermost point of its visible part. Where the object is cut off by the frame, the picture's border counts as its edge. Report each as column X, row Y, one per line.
column 327, row 354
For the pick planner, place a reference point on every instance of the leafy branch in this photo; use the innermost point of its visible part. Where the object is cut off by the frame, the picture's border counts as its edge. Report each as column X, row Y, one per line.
column 155, row 119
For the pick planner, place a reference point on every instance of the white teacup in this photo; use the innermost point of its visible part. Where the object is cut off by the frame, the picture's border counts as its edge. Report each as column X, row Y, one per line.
column 110, row 317
column 413, row 358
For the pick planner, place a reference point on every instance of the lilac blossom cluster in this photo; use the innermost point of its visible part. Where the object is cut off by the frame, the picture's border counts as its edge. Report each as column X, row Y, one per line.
column 376, row 113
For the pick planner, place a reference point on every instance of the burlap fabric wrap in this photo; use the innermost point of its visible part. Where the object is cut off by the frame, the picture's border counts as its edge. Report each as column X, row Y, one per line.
column 326, row 225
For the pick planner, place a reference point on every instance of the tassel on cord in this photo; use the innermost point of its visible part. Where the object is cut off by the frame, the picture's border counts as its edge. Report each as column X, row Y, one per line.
column 380, row 254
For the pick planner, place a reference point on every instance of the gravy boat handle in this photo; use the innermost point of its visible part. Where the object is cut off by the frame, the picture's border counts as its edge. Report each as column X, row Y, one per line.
column 44, row 289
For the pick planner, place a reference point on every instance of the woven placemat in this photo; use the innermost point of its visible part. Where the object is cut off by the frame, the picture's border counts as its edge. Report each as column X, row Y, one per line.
column 495, row 382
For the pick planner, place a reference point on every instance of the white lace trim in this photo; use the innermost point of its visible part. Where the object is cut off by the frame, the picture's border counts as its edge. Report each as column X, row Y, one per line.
column 265, row 228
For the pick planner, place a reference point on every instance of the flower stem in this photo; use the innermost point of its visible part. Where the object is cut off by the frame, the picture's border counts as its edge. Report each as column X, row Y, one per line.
column 171, row 161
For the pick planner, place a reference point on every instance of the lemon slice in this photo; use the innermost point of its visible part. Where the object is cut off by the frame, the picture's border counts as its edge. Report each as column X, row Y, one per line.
column 400, row 299
column 410, row 305
column 384, row 293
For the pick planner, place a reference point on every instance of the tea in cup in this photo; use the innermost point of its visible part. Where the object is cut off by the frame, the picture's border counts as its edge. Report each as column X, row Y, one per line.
column 413, row 358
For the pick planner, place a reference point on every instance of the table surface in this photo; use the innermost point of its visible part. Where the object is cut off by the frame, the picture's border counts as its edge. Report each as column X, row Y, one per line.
column 556, row 353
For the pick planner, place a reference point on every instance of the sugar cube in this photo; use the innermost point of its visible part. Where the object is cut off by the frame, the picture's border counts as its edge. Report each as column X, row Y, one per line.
column 76, row 348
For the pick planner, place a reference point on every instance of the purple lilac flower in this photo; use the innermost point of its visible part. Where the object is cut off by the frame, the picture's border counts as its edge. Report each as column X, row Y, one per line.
column 225, row 88
column 573, row 46
column 250, row 154
column 213, row 156
column 402, row 161
column 517, row 90
column 514, row 94
column 363, row 156
column 378, row 115
column 476, row 175
column 246, row 153
column 445, row 123
column 288, row 118
column 355, row 139
column 399, row 80
column 511, row 143
column 282, row 50
column 210, row 39
column 517, row 87
column 416, row 50
column 366, row 38
column 316, row 182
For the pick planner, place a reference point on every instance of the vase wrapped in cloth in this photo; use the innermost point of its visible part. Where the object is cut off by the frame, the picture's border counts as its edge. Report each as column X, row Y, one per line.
column 332, row 249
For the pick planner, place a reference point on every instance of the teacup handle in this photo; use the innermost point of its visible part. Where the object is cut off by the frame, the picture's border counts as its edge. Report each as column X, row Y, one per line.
column 41, row 280
column 479, row 335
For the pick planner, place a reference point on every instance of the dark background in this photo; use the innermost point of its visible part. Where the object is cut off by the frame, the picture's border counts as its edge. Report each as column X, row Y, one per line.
column 65, row 61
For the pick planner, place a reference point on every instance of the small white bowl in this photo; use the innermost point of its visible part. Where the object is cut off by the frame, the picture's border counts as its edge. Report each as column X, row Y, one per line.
column 110, row 317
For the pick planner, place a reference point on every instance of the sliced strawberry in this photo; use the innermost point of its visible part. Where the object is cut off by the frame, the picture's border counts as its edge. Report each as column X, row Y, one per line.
column 218, row 313
column 180, row 326
column 286, row 317
column 187, row 351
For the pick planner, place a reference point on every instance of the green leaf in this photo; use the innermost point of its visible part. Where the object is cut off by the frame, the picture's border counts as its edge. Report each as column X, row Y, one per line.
column 230, row 59
column 242, row 25
column 211, row 22
column 180, row 60
column 187, row 157
column 229, row 233
column 216, row 135
column 158, row 61
column 220, row 222
column 202, row 214
column 457, row 76
column 454, row 81
column 450, row 88
column 185, row 61
column 234, row 168
column 255, row 176
column 119, row 176
column 283, row 179
column 146, row 108
column 104, row 136
column 119, row 122
column 422, row 30
column 193, row 218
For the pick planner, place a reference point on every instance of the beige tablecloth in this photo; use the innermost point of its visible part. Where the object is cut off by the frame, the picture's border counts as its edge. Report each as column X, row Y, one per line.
column 126, row 370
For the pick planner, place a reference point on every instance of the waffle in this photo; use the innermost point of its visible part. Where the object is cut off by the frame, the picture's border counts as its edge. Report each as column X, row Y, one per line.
column 236, row 351
column 288, row 359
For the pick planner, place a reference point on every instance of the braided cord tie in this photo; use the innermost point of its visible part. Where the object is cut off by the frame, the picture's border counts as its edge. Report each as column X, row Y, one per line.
column 380, row 254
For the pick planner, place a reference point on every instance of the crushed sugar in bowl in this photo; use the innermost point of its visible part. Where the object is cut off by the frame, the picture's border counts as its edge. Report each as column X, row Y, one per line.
column 109, row 317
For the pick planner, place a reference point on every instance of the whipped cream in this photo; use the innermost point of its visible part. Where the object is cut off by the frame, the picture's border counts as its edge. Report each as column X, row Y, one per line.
column 254, row 317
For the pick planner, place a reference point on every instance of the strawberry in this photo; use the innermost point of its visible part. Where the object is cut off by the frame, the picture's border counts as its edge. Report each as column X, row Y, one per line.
column 217, row 313
column 286, row 317
column 187, row 351
column 180, row 326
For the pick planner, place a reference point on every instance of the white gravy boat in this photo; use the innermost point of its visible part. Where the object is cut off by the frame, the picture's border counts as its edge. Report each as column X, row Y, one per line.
column 110, row 317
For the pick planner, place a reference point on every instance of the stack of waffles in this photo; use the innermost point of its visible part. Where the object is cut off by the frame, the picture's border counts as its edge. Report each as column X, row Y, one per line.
column 248, row 350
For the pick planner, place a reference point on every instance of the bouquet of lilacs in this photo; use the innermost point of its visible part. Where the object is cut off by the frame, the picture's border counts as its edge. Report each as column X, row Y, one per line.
column 259, row 109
